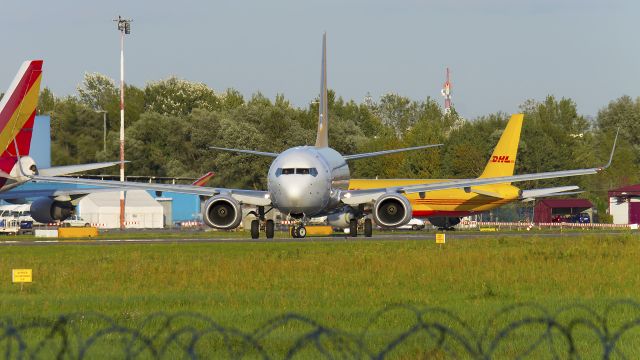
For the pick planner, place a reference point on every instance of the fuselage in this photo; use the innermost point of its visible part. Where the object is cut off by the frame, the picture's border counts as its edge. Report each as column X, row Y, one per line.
column 452, row 202
column 306, row 180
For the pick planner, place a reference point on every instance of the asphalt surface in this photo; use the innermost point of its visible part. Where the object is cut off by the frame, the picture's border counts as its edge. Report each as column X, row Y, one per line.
column 418, row 236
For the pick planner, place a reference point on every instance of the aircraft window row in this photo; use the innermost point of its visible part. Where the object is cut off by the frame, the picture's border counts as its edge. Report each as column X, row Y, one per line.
column 299, row 171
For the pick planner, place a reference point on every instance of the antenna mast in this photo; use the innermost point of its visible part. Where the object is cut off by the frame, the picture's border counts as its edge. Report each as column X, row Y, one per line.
column 446, row 92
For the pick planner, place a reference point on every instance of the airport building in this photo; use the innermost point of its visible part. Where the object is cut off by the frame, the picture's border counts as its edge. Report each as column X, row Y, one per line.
column 624, row 204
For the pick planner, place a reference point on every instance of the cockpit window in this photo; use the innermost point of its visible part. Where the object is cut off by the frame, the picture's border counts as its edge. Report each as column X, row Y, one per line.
column 299, row 171
column 307, row 171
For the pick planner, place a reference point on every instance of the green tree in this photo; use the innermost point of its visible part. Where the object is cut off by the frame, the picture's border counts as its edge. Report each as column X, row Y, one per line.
column 46, row 101
column 98, row 91
column 175, row 96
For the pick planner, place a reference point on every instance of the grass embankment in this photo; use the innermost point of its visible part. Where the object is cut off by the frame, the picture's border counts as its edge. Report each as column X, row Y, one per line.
column 339, row 284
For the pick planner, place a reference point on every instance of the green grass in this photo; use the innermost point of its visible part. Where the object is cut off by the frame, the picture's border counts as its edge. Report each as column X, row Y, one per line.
column 340, row 284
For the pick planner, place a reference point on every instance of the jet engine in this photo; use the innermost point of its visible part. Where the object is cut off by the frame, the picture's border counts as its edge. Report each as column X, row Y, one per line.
column 46, row 210
column 444, row 222
column 222, row 212
column 392, row 210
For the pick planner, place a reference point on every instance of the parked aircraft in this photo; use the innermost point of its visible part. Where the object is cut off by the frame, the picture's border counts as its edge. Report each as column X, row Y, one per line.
column 17, row 115
column 444, row 208
column 312, row 181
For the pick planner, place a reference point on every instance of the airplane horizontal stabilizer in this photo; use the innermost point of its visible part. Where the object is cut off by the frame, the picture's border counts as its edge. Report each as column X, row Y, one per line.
column 253, row 152
column 71, row 169
column 554, row 191
column 386, row 152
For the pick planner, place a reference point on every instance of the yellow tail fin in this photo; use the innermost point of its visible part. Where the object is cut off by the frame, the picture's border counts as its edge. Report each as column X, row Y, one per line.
column 503, row 159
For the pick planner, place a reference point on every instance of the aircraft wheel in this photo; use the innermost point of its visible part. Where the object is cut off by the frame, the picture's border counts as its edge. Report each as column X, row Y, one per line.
column 353, row 228
column 368, row 228
column 301, row 231
column 269, row 229
column 255, row 229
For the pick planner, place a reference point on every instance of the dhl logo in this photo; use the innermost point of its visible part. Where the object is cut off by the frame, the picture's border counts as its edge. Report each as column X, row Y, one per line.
column 501, row 159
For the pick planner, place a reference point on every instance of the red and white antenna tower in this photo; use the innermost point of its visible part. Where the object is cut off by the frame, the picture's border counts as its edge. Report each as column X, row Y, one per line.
column 446, row 92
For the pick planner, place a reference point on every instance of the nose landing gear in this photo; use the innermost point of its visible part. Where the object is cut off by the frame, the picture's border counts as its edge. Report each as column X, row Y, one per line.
column 298, row 231
column 261, row 223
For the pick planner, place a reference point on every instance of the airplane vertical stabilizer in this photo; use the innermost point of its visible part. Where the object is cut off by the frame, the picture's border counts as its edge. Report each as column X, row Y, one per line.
column 503, row 159
column 322, row 139
column 18, row 109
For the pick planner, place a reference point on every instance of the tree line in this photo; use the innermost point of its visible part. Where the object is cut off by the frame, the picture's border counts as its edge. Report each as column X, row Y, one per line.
column 171, row 123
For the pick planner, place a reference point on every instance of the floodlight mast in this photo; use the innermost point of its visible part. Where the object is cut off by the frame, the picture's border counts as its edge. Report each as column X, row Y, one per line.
column 124, row 26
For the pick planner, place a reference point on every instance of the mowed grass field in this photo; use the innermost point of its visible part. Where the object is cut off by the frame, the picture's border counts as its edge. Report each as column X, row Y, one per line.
column 340, row 284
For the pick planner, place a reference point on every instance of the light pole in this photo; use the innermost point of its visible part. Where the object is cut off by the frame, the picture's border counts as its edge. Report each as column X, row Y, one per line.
column 104, row 129
column 124, row 26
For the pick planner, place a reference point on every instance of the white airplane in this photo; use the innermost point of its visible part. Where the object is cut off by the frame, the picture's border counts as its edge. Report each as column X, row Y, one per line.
column 17, row 115
column 305, row 182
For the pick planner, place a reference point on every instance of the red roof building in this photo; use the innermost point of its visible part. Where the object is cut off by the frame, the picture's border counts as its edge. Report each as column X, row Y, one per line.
column 550, row 210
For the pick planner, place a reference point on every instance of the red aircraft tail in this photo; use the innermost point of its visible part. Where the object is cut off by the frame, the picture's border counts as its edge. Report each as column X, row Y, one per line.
column 18, row 110
column 203, row 179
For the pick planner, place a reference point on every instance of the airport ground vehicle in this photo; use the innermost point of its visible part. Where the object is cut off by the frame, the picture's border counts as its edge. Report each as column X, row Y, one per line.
column 413, row 224
column 582, row 218
column 74, row 221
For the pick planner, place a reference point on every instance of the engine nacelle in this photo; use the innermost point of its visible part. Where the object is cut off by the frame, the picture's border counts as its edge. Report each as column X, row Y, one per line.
column 46, row 210
column 444, row 222
column 340, row 219
column 222, row 212
column 392, row 210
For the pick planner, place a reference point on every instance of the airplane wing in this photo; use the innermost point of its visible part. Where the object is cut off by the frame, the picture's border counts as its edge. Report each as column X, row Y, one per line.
column 70, row 169
column 530, row 195
column 252, row 152
column 386, row 152
column 356, row 197
column 20, row 196
column 251, row 197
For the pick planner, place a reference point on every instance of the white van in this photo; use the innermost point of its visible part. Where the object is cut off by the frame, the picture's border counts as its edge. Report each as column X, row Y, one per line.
column 413, row 224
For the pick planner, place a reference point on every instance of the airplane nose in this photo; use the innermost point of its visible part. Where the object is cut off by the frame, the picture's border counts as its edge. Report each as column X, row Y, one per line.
column 298, row 194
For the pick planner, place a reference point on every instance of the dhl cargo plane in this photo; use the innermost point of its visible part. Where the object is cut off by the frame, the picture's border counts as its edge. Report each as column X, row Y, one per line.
column 444, row 208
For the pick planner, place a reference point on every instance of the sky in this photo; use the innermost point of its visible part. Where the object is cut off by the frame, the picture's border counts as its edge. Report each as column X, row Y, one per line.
column 501, row 52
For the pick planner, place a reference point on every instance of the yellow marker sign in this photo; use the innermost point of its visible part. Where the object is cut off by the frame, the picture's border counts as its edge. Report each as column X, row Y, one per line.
column 21, row 275
column 440, row 238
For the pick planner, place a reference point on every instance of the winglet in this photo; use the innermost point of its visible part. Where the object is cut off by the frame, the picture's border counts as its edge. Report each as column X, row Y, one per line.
column 613, row 150
column 322, row 138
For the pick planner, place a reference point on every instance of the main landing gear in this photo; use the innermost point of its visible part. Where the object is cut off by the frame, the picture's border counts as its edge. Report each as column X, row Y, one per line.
column 366, row 226
column 262, row 224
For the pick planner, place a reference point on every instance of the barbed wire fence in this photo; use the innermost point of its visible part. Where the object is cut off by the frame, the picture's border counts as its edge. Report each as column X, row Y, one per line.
column 399, row 331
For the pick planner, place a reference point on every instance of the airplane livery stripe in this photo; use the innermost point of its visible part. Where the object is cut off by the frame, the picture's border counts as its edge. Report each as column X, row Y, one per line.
column 21, row 114
column 30, row 77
